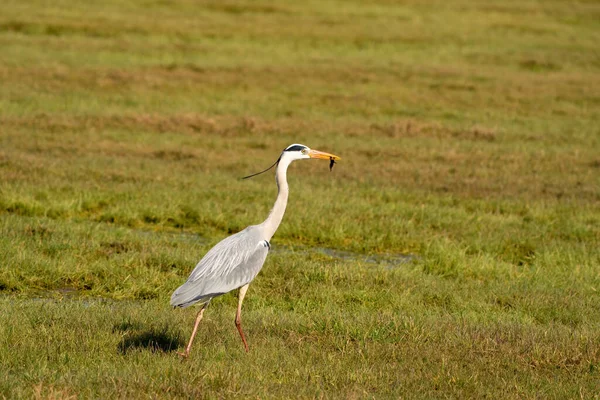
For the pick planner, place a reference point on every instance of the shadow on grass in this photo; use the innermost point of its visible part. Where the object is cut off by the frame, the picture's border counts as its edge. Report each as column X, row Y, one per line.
column 153, row 339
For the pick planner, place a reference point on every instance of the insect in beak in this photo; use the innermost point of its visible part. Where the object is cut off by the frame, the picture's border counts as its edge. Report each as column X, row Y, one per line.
column 324, row 156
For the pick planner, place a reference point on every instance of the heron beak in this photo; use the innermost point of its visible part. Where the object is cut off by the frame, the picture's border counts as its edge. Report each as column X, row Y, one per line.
column 322, row 155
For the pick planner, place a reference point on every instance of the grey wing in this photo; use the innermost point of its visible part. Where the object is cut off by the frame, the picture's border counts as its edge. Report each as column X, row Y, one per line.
column 232, row 263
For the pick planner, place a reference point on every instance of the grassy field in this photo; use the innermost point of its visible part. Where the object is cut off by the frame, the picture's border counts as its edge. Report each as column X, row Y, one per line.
column 454, row 252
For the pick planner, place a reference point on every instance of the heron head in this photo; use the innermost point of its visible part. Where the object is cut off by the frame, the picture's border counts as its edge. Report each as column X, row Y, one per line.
column 300, row 151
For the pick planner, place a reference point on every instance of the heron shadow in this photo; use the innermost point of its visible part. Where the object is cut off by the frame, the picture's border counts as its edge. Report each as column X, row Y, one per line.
column 137, row 336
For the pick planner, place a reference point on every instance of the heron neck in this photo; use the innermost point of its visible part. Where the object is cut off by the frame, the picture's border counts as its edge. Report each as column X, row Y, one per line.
column 276, row 215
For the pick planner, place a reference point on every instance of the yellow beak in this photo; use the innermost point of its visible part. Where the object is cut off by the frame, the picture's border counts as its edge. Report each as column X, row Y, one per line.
column 322, row 155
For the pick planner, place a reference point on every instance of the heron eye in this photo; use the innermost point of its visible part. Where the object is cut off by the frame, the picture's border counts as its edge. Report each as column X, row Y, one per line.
column 304, row 151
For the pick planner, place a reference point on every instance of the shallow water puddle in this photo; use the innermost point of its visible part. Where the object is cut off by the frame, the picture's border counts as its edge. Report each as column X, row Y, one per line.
column 386, row 260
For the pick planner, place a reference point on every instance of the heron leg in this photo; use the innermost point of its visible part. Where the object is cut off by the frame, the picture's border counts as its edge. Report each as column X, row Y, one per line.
column 189, row 346
column 238, row 316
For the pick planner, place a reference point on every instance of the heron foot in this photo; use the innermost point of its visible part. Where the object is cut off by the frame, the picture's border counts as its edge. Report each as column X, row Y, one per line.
column 184, row 354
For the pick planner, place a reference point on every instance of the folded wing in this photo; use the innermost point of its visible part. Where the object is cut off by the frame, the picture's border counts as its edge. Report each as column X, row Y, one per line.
column 230, row 264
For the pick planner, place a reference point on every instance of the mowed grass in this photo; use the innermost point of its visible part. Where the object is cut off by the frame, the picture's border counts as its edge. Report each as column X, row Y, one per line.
column 452, row 253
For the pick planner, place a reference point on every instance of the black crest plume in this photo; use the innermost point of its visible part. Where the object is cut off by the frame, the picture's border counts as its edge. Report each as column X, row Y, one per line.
column 262, row 172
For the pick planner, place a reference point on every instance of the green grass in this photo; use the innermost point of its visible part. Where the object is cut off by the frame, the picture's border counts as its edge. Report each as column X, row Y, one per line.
column 470, row 139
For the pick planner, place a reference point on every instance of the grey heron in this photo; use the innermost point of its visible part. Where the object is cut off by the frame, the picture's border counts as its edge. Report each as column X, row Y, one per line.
column 236, row 260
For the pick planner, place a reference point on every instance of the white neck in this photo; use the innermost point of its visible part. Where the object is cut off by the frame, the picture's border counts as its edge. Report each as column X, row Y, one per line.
column 276, row 215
